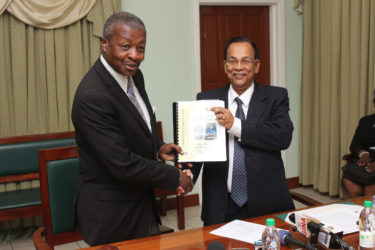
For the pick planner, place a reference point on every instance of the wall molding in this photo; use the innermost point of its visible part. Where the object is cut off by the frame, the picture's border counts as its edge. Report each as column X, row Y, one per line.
column 277, row 36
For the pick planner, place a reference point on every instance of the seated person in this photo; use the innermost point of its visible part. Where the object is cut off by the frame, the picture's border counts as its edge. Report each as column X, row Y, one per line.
column 362, row 149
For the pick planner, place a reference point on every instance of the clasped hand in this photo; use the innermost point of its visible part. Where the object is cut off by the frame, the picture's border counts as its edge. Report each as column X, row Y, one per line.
column 186, row 184
column 365, row 161
column 167, row 152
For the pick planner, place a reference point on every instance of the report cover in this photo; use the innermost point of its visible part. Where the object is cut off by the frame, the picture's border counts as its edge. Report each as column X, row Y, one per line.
column 197, row 131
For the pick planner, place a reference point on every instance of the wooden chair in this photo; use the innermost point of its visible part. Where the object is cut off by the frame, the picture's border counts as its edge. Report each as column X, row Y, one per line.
column 163, row 194
column 58, row 171
column 19, row 162
column 38, row 239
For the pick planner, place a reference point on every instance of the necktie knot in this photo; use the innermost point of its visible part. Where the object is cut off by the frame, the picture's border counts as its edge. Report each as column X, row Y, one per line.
column 239, row 113
column 130, row 89
column 239, row 101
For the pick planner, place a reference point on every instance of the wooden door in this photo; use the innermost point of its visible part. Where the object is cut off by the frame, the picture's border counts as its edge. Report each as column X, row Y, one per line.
column 218, row 24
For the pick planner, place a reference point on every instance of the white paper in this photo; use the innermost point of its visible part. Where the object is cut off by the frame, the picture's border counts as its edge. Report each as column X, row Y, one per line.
column 241, row 230
column 343, row 217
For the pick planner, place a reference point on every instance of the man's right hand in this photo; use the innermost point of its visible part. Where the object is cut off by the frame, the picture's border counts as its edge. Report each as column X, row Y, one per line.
column 186, row 184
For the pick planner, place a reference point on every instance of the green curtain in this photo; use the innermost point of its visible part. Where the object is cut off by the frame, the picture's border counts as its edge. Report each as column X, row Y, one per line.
column 338, row 76
column 39, row 73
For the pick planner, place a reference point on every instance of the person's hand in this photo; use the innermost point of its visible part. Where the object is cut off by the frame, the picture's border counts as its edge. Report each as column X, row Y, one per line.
column 370, row 167
column 186, row 184
column 364, row 160
column 223, row 116
column 167, row 152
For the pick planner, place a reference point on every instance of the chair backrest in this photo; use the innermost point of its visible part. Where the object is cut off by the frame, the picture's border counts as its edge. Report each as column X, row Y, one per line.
column 58, row 169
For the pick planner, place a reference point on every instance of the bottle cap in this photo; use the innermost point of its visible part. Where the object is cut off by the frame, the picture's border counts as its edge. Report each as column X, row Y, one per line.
column 367, row 204
column 270, row 222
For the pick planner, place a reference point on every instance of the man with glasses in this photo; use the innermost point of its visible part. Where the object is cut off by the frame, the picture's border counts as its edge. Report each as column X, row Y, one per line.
column 252, row 181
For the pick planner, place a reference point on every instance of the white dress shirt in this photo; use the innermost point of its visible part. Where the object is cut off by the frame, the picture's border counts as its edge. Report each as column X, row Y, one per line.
column 123, row 82
column 236, row 128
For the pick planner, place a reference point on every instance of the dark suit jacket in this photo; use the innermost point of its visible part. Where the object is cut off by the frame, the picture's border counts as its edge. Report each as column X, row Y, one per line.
column 266, row 130
column 118, row 167
column 364, row 136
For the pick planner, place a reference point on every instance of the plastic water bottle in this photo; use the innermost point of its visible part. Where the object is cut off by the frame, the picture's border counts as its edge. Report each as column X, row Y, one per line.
column 367, row 227
column 270, row 236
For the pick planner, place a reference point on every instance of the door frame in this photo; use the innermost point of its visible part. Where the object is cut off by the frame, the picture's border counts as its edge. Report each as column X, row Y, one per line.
column 277, row 36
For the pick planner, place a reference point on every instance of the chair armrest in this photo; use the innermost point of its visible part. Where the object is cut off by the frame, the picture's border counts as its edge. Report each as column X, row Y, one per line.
column 348, row 158
column 38, row 239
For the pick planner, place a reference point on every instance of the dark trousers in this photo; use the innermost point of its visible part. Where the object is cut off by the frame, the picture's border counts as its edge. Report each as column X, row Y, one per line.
column 235, row 212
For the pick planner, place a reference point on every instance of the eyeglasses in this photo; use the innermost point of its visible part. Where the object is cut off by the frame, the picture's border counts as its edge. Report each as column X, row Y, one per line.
column 245, row 62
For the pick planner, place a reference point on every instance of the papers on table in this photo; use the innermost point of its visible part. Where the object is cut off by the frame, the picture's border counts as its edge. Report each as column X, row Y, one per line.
column 343, row 217
column 241, row 230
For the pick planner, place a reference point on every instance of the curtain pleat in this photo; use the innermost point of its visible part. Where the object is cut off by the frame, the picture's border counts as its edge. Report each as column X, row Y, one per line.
column 337, row 82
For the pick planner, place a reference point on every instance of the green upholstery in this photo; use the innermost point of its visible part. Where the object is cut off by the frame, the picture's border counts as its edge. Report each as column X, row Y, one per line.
column 62, row 178
column 19, row 198
column 22, row 158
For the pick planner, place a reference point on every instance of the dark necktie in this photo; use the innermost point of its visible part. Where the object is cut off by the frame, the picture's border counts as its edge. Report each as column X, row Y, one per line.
column 239, row 178
column 132, row 98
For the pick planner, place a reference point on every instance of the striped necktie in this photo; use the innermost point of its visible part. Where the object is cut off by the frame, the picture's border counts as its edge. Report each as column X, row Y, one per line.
column 131, row 95
column 239, row 179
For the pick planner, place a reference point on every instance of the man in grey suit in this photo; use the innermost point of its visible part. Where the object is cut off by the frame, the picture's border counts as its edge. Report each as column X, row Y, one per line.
column 120, row 154
column 252, row 181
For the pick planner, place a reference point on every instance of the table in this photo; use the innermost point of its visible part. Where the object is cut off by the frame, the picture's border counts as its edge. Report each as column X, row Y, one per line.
column 199, row 238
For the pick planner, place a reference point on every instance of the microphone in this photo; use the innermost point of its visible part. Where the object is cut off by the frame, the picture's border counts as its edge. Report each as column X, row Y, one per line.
column 286, row 239
column 307, row 225
column 304, row 223
column 215, row 245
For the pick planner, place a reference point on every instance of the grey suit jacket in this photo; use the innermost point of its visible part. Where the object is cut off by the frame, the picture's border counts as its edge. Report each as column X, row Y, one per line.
column 266, row 131
column 118, row 166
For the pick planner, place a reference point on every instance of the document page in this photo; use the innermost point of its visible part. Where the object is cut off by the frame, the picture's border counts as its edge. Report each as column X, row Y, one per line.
column 342, row 217
column 241, row 230
column 197, row 131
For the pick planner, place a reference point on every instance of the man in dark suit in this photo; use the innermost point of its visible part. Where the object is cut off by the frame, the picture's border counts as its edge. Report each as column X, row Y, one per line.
column 118, row 144
column 252, row 181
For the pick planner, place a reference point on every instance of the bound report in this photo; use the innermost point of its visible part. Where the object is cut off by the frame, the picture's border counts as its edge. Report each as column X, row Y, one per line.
column 197, row 131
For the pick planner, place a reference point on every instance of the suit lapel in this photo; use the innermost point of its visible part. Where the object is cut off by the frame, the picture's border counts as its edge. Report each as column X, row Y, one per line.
column 117, row 91
column 144, row 96
column 256, row 107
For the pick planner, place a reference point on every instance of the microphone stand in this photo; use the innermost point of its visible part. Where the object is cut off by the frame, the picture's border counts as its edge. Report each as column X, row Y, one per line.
column 314, row 229
column 309, row 244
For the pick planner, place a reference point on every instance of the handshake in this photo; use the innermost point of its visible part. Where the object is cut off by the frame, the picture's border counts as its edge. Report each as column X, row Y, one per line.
column 167, row 152
column 186, row 183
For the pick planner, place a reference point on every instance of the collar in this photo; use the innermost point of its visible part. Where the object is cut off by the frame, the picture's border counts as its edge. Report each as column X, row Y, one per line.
column 245, row 96
column 120, row 79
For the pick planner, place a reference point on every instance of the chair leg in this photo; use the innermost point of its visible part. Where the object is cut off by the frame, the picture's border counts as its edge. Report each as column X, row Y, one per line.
column 180, row 212
column 163, row 205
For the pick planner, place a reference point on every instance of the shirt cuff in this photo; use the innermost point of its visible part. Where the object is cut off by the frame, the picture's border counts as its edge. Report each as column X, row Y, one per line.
column 191, row 176
column 236, row 128
column 157, row 157
column 362, row 153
